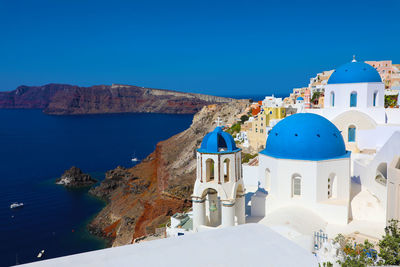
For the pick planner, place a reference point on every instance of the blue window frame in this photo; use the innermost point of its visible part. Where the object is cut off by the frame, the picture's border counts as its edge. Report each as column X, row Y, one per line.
column 374, row 100
column 352, row 134
column 353, row 99
column 332, row 99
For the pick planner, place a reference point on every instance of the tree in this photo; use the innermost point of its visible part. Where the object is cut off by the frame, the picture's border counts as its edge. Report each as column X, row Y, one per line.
column 244, row 118
column 389, row 245
column 315, row 96
column 390, row 100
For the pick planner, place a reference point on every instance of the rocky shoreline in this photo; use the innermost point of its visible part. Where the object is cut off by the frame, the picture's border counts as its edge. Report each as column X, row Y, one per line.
column 142, row 198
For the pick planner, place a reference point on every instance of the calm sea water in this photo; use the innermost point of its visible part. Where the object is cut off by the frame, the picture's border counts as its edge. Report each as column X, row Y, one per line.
column 36, row 148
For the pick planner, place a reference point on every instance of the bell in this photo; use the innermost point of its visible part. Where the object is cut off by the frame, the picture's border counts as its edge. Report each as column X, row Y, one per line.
column 213, row 207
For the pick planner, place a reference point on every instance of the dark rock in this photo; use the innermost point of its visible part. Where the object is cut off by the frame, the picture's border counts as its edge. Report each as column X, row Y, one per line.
column 74, row 177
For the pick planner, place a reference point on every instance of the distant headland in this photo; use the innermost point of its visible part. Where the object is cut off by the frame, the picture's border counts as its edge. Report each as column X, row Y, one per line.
column 64, row 99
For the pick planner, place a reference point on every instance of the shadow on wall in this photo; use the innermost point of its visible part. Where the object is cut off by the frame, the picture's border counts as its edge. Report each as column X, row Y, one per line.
column 355, row 186
column 247, row 200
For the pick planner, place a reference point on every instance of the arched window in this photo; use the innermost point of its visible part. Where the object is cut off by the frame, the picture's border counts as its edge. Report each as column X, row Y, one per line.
column 267, row 180
column 381, row 173
column 374, row 99
column 332, row 186
column 209, row 170
column 296, row 185
column 226, row 170
column 352, row 133
column 353, row 99
column 332, row 99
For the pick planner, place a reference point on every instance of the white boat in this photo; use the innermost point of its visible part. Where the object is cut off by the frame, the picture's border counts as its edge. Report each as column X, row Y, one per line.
column 40, row 254
column 135, row 159
column 16, row 205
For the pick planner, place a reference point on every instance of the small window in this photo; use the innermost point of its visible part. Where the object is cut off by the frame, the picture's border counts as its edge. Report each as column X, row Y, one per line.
column 296, row 185
column 374, row 99
column 352, row 133
column 332, row 99
column 353, row 99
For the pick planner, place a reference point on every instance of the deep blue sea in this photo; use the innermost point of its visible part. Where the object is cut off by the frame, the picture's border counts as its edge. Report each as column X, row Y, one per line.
column 36, row 148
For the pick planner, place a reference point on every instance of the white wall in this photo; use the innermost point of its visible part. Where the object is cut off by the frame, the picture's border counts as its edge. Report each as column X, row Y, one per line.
column 314, row 175
column 250, row 175
column 365, row 92
column 366, row 170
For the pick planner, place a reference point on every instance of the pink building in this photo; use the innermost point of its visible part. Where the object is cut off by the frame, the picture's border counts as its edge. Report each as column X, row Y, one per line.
column 385, row 69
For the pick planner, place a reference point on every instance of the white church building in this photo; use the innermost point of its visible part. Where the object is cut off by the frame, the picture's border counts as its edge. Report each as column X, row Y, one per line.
column 218, row 197
column 354, row 102
column 339, row 165
column 305, row 164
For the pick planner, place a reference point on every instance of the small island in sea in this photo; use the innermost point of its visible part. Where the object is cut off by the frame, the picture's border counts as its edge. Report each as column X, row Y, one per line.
column 74, row 177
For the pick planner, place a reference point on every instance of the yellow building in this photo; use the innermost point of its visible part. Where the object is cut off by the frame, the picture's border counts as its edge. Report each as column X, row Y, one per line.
column 257, row 129
column 275, row 113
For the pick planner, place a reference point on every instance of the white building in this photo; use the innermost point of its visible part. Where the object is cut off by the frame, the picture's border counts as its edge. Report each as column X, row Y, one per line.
column 218, row 197
column 354, row 102
column 304, row 164
column 272, row 102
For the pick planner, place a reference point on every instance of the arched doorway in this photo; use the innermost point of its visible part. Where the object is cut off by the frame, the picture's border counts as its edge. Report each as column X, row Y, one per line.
column 353, row 99
column 226, row 170
column 267, row 180
column 212, row 207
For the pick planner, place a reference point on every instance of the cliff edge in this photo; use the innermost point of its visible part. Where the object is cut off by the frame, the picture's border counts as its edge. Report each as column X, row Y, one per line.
column 142, row 198
column 64, row 99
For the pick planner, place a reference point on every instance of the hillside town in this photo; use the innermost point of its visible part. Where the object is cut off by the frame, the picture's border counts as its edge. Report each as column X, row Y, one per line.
column 334, row 118
column 307, row 166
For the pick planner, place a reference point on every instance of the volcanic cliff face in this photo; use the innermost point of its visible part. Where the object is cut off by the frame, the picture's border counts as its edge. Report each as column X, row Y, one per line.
column 142, row 198
column 64, row 99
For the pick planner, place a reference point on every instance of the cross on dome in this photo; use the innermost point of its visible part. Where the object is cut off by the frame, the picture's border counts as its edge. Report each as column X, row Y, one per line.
column 218, row 121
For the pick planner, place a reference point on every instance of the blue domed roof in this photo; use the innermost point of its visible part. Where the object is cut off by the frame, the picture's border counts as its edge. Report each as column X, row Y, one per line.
column 305, row 136
column 355, row 72
column 218, row 141
column 300, row 98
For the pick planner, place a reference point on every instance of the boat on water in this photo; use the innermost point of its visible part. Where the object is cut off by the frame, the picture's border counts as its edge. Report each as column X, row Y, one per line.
column 16, row 205
column 134, row 158
column 41, row 253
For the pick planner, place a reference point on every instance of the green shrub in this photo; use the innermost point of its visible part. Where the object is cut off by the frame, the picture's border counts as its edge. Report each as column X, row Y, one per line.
column 246, row 157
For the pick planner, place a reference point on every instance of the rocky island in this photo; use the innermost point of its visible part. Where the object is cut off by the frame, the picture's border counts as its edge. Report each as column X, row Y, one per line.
column 142, row 198
column 64, row 99
column 74, row 177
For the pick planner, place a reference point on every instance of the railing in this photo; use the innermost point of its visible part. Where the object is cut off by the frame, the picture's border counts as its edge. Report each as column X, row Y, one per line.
column 319, row 238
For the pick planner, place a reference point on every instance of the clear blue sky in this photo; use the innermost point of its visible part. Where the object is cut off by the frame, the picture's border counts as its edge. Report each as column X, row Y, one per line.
column 215, row 47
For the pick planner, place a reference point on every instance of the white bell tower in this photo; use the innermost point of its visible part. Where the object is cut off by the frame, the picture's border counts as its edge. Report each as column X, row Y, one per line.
column 218, row 197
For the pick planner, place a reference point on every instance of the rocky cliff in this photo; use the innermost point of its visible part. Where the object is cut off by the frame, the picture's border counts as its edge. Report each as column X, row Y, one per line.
column 68, row 99
column 142, row 198
column 74, row 177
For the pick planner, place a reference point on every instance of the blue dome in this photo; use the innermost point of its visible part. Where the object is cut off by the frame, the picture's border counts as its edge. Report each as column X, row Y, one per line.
column 218, row 141
column 305, row 136
column 355, row 72
column 299, row 98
